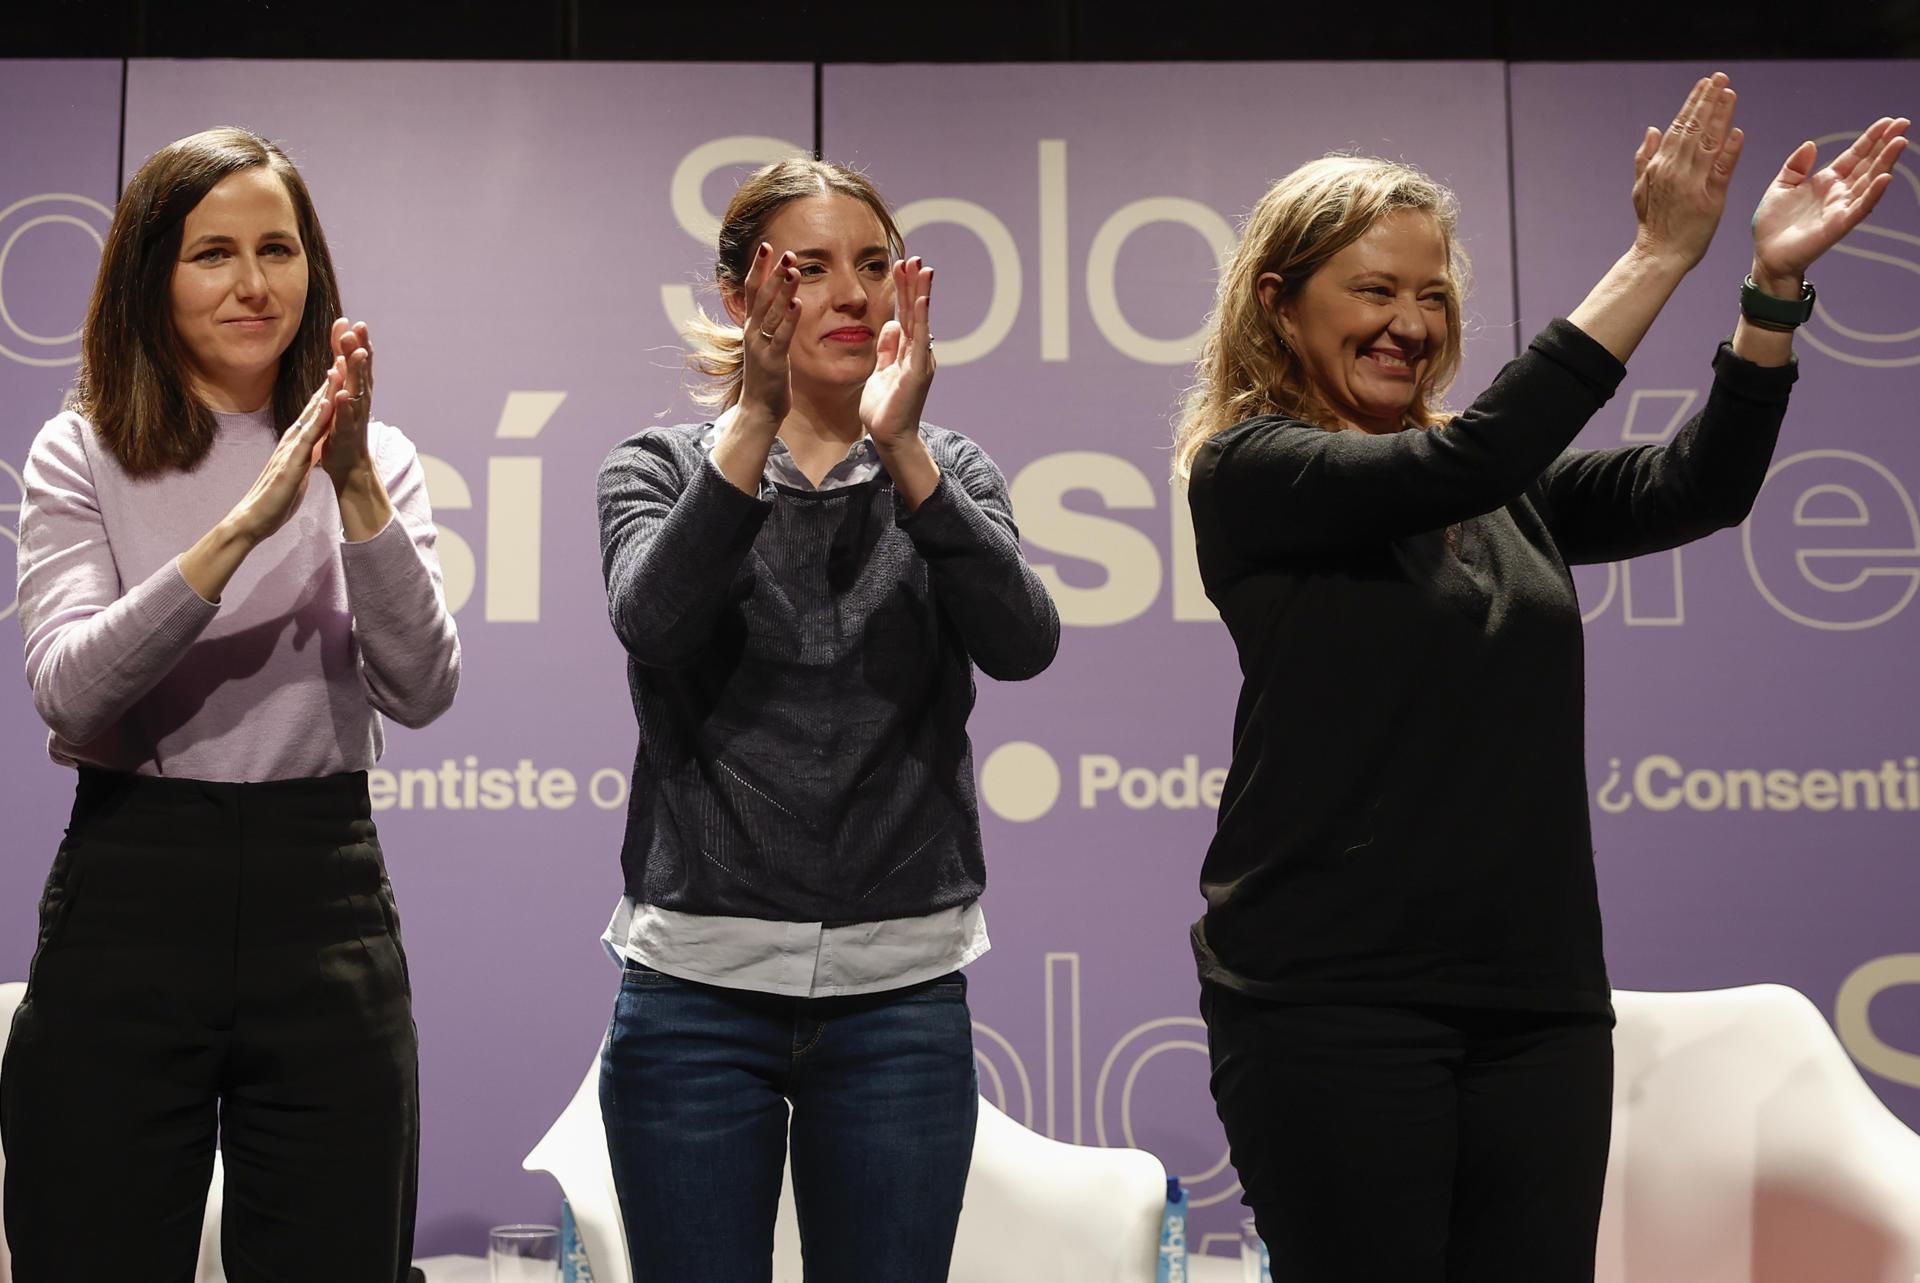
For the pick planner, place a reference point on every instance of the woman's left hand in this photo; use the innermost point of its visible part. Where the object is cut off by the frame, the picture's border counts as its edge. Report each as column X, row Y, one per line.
column 347, row 452
column 347, row 455
column 1804, row 214
column 896, row 392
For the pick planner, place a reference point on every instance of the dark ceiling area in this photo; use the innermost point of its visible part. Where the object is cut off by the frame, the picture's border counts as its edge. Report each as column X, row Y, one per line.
column 956, row 31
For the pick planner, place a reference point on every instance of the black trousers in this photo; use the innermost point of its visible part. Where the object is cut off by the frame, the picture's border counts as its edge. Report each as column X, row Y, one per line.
column 213, row 959
column 1415, row 1144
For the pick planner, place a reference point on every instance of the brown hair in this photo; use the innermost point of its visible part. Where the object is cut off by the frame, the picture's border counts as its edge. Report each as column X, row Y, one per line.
column 715, row 350
column 1245, row 367
column 133, row 381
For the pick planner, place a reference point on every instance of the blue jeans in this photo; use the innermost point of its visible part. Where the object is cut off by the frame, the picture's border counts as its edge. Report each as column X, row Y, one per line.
column 695, row 1084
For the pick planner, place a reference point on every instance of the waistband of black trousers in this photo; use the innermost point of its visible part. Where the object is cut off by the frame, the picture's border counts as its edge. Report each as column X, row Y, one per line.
column 340, row 796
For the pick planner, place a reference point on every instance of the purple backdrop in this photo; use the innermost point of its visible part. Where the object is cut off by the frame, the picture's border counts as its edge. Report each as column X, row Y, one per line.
column 520, row 236
column 59, row 162
column 1785, row 647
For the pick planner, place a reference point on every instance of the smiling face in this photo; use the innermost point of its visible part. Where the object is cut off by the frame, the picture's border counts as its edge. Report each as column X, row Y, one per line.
column 1371, row 323
column 239, row 288
column 845, row 292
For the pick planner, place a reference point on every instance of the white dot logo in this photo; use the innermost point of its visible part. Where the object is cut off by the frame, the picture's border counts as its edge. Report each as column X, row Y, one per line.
column 1020, row 781
column 29, row 234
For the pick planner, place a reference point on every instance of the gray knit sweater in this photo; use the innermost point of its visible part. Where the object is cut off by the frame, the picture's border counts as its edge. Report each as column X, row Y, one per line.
column 801, row 665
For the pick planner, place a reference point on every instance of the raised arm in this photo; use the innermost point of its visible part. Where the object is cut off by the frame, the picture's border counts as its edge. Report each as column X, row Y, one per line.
column 767, row 311
column 1280, row 489
column 1805, row 213
column 94, row 646
column 1604, row 505
column 673, row 530
column 1680, row 181
column 91, row 649
column 957, row 515
column 1609, row 505
column 409, row 648
column 895, row 394
column 987, row 591
column 1277, row 488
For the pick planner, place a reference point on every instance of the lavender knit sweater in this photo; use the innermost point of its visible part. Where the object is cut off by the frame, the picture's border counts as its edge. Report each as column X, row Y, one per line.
column 284, row 677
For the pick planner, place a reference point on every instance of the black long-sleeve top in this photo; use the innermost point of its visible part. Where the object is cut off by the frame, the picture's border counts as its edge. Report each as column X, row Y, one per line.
column 1405, row 818
column 801, row 665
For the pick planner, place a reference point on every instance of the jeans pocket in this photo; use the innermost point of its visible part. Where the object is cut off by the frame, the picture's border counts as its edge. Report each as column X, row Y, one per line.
column 638, row 975
column 943, row 988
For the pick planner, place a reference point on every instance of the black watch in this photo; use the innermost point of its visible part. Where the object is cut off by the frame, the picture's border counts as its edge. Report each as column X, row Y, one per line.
column 1771, row 313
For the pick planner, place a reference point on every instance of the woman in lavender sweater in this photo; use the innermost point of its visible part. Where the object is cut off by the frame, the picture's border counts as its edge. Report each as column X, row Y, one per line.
column 212, row 633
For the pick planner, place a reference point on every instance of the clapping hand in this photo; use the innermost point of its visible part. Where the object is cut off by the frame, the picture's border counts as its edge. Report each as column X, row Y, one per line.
column 772, row 310
column 276, row 493
column 1805, row 213
column 1680, row 177
column 896, row 392
column 347, row 453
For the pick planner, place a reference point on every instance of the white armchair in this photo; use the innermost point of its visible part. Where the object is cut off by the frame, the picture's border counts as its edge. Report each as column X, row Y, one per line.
column 1036, row 1210
column 574, row 1152
column 1747, row 1149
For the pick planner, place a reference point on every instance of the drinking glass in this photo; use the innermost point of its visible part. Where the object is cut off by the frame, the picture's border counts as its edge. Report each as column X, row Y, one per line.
column 524, row 1253
column 1254, row 1265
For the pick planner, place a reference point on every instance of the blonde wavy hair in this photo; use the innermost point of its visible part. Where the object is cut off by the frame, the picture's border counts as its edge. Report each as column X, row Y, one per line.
column 715, row 348
column 1245, row 367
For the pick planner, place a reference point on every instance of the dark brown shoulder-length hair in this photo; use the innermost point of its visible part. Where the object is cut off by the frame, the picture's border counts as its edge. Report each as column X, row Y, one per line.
column 133, row 383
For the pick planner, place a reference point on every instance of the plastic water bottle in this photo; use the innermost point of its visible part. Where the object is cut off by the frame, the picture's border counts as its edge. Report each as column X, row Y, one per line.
column 1173, row 1235
column 574, row 1267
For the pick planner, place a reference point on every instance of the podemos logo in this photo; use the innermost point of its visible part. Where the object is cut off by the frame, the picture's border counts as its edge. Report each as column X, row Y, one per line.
column 1020, row 781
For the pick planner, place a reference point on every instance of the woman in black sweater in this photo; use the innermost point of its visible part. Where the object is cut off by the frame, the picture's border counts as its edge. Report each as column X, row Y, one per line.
column 1407, row 1006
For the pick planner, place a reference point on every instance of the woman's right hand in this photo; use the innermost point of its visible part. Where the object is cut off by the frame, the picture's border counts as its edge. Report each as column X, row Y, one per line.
column 268, row 502
column 1680, row 181
column 1680, row 178
column 766, row 393
column 277, row 491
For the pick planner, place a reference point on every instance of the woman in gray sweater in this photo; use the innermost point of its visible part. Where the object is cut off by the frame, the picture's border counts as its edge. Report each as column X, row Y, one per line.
column 804, row 586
